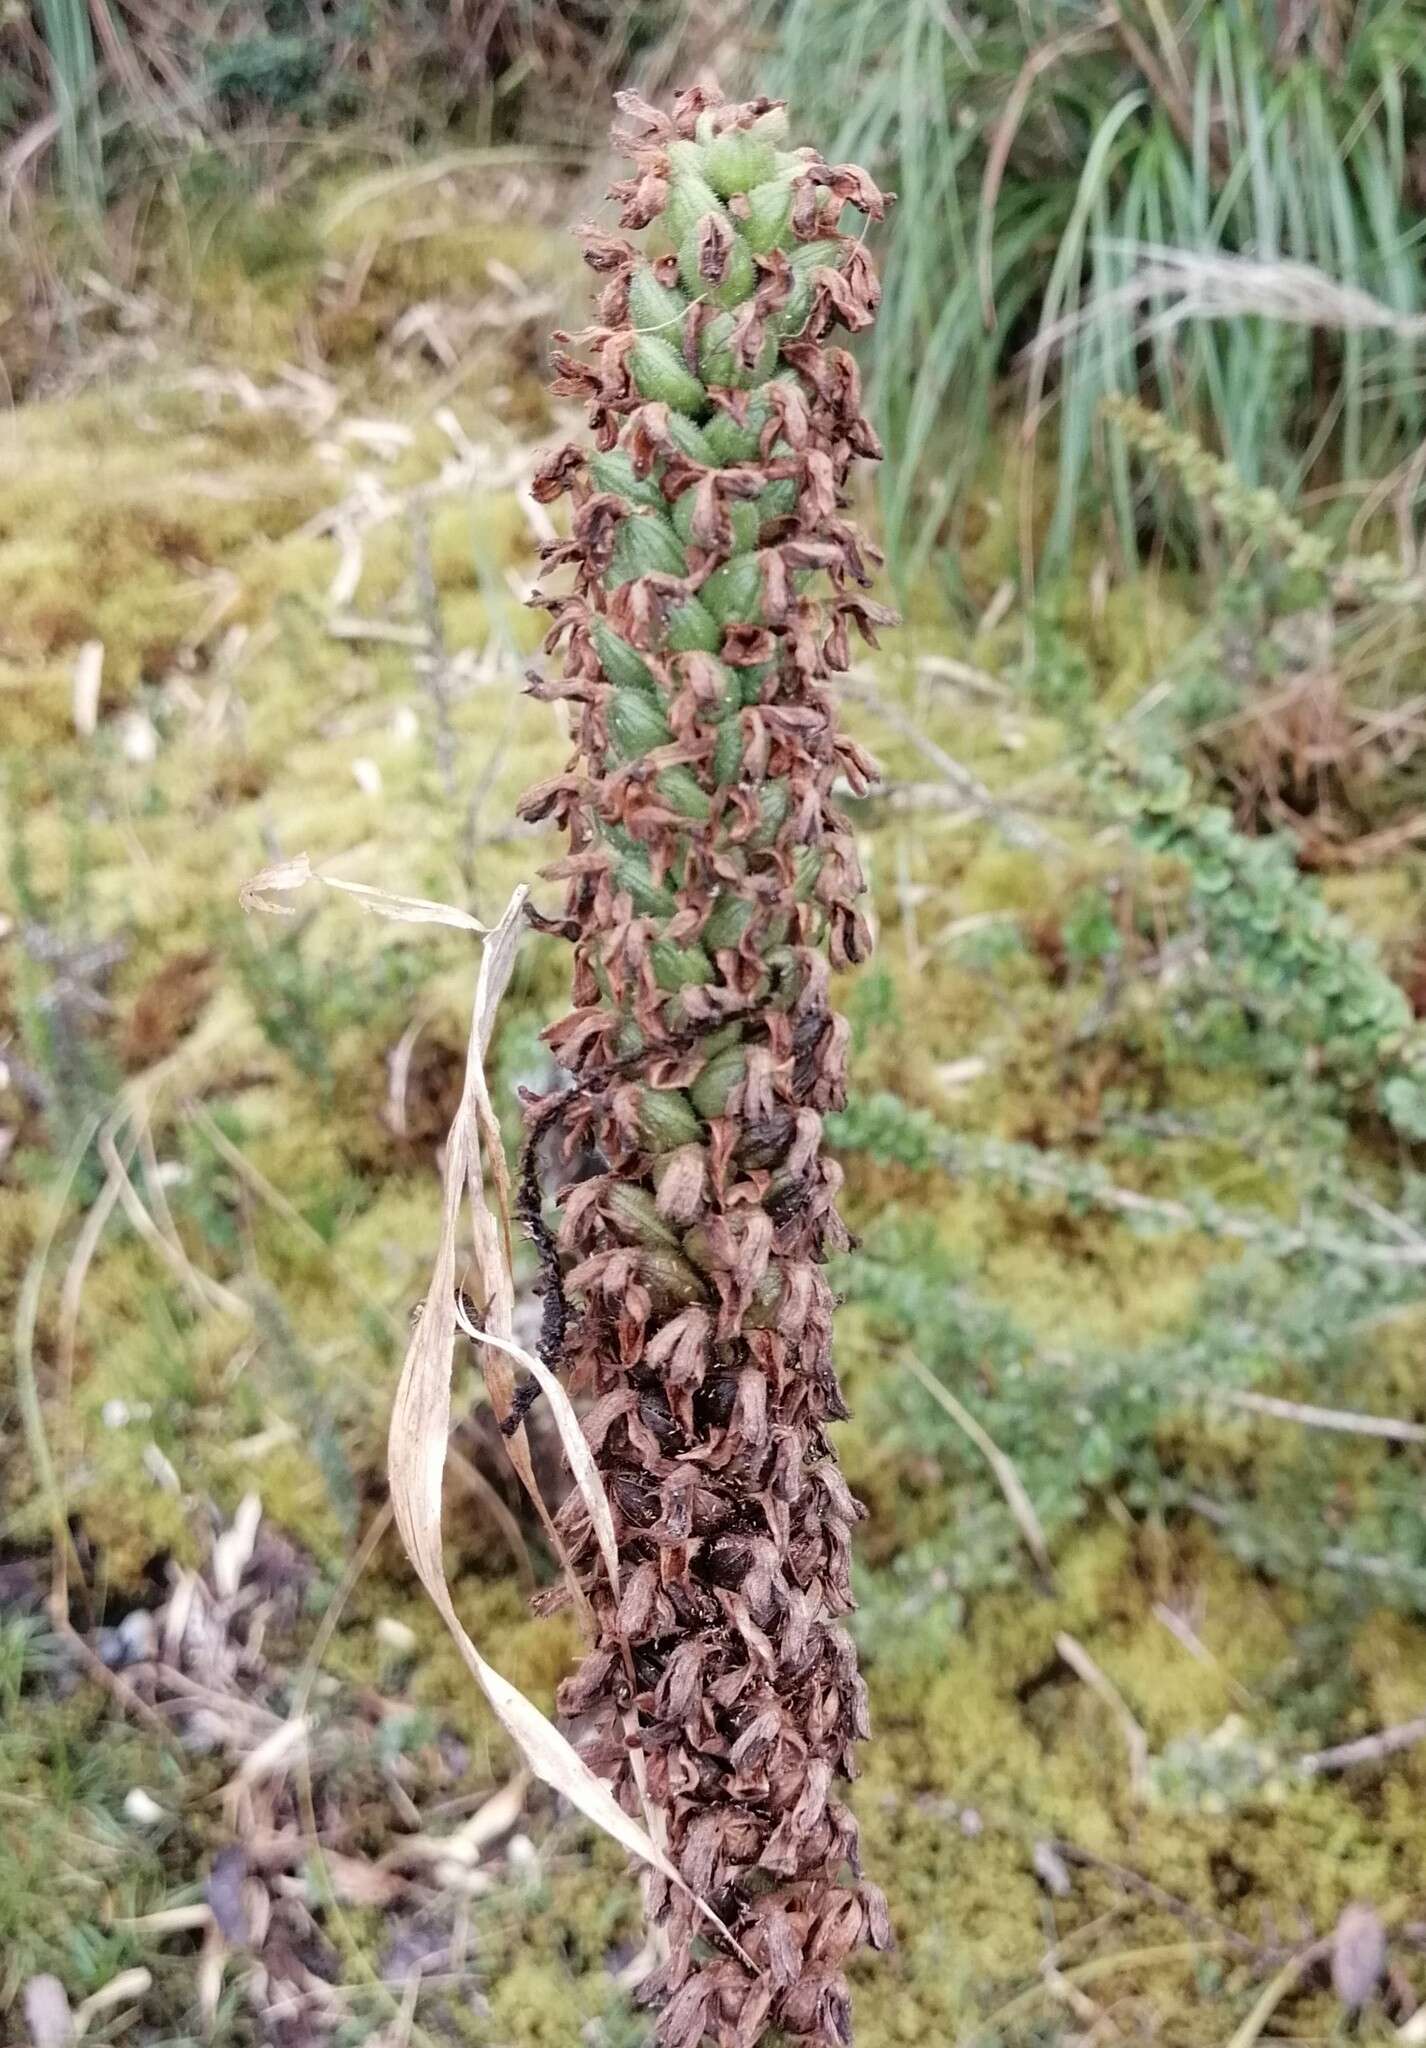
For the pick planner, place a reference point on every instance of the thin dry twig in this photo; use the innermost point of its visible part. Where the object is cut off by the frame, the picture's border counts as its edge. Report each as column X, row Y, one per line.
column 1006, row 1477
column 961, row 675
column 32, row 1418
column 1276, row 1990
column 1243, row 1228
column 968, row 786
column 480, row 1489
column 1186, row 1953
column 1135, row 1740
column 342, row 626
column 237, row 1159
column 207, row 1293
column 1367, row 1749
column 433, row 663
column 1041, row 59
column 1345, row 1421
column 1144, row 1887
column 113, row 1682
column 1183, row 1633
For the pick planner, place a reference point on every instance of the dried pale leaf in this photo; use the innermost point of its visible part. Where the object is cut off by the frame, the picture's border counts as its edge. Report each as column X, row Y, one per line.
column 168, row 1920
column 398, row 1075
column 118, row 1991
column 1049, row 1867
column 537, row 518
column 383, row 437
column 232, row 1551
column 276, row 1751
column 1135, row 1740
column 347, row 578
column 225, row 1890
column 477, row 1125
column 210, row 1976
column 491, row 1230
column 258, row 1901
column 284, row 877
column 404, row 909
column 492, row 1819
column 453, row 1876
column 395, row 1635
column 475, row 1120
column 138, row 737
column 1358, row 1955
column 581, row 1459
column 420, row 1427
column 88, row 679
column 278, row 880
column 160, row 1470
column 47, row 2014
column 186, row 1595
column 359, row 1883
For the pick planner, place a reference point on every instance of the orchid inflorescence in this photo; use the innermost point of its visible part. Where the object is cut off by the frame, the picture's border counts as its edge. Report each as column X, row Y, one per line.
column 711, row 887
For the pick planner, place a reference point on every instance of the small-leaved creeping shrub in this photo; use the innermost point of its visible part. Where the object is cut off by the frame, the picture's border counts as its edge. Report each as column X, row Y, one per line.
column 1326, row 984
column 711, row 883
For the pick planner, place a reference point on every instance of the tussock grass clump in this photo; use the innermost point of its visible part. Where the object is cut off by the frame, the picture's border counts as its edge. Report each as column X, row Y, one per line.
column 1216, row 207
column 711, row 881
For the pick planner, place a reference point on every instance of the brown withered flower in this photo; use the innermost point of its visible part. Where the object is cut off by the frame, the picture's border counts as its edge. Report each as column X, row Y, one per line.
column 711, row 885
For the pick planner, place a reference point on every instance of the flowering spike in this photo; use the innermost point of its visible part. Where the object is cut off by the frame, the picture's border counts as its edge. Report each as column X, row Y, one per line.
column 710, row 882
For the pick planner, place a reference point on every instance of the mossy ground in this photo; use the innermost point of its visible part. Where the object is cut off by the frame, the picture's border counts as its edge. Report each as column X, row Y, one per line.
column 247, row 515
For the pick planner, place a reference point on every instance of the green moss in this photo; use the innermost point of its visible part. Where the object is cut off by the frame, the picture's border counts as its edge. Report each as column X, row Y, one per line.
column 994, row 1744
column 539, row 2000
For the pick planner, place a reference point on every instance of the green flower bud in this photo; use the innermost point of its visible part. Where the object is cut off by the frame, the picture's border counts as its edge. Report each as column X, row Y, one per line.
column 683, row 792
column 724, row 1072
column 738, row 280
column 726, row 922
column 667, row 1119
column 728, row 750
column 659, row 372
column 670, row 1279
column 744, row 518
column 689, row 198
column 774, row 803
column 646, row 545
column 625, row 668
column 650, row 898
column 677, row 967
column 631, row 1210
column 719, row 365
column 615, row 473
column 734, row 593
column 636, row 724
column 655, row 308
column 692, row 628
column 769, row 218
column 738, row 161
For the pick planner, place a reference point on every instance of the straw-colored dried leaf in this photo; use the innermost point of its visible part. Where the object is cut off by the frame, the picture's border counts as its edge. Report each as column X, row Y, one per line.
column 421, row 1418
column 285, row 877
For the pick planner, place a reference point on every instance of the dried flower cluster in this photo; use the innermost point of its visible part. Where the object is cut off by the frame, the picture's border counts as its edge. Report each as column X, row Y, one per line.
column 710, row 883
